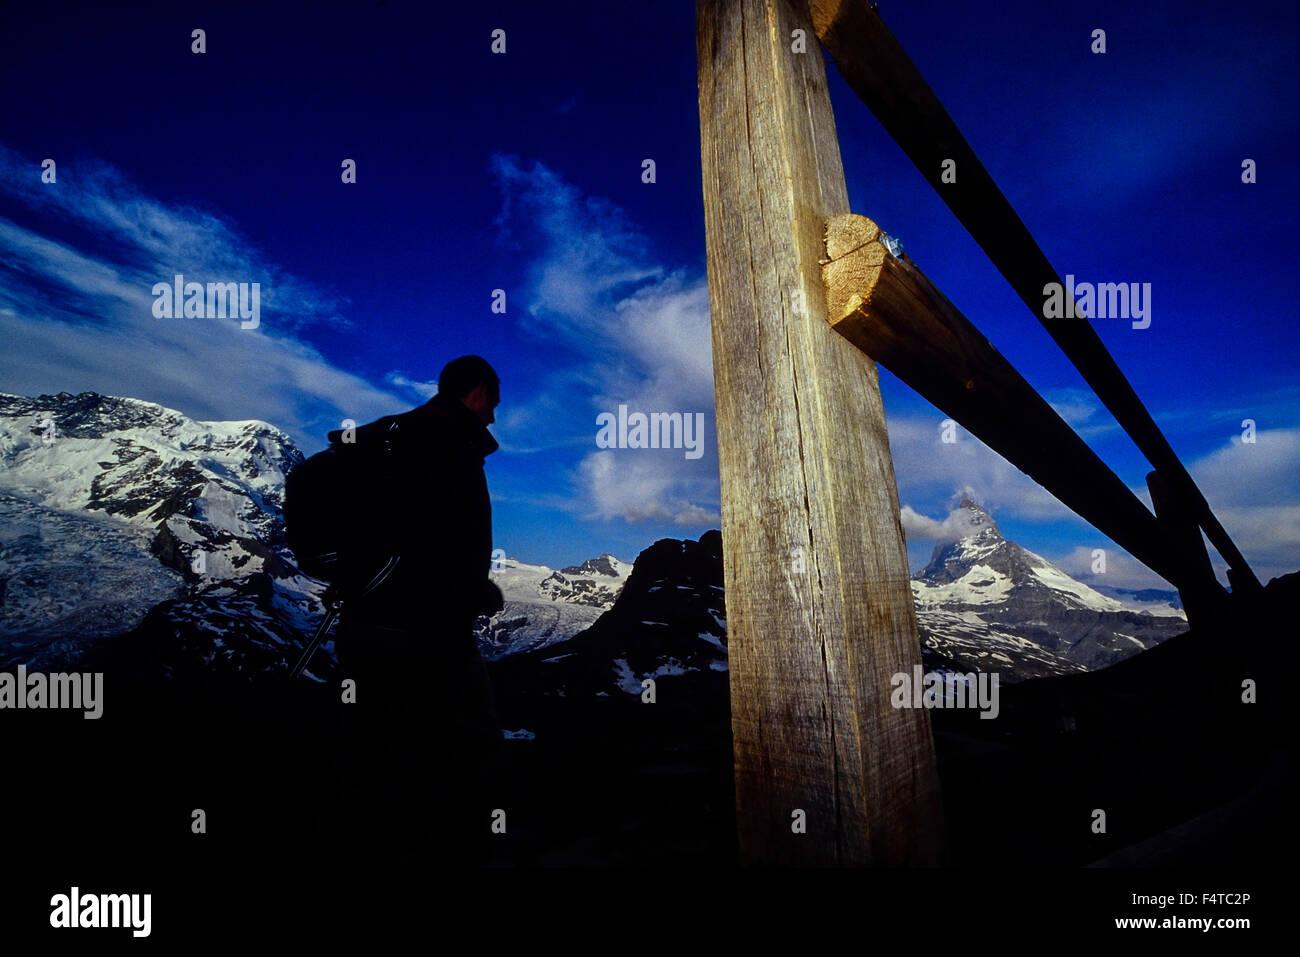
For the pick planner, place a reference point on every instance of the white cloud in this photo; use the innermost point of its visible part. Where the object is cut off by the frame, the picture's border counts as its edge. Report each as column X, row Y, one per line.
column 641, row 488
column 426, row 390
column 641, row 333
column 1075, row 406
column 1122, row 570
column 82, row 308
column 1245, row 474
column 1254, row 489
column 928, row 469
column 955, row 525
column 1267, row 535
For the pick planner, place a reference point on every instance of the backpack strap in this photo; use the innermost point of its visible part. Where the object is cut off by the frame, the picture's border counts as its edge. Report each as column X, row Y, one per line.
column 333, row 602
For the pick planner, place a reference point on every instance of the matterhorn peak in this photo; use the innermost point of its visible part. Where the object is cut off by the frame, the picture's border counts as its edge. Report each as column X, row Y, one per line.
column 971, row 537
column 971, row 521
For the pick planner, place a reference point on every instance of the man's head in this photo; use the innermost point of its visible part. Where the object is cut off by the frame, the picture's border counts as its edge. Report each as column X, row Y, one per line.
column 474, row 383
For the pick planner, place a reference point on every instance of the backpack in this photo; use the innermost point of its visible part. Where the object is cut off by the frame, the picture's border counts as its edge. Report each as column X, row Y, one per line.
column 333, row 524
column 332, row 513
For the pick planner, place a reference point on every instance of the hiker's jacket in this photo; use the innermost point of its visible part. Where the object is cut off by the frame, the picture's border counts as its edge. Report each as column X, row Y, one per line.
column 434, row 513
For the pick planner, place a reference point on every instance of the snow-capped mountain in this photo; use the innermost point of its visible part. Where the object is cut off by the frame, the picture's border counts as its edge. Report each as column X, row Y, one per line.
column 596, row 582
column 123, row 519
column 669, row 620
column 983, row 604
column 543, row 606
column 113, row 507
column 197, row 487
column 986, row 603
column 119, row 517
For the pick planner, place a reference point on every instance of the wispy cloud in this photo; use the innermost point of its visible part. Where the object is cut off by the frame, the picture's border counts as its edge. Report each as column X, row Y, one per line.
column 1120, row 569
column 957, row 524
column 81, row 305
column 930, row 470
column 1254, row 489
column 639, row 333
column 1082, row 411
column 424, row 390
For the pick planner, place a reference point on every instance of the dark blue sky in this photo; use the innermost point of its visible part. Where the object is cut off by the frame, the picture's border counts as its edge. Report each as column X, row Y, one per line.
column 523, row 172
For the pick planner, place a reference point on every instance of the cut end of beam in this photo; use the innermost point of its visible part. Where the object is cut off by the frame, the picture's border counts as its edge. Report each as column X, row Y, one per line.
column 824, row 13
column 846, row 232
column 851, row 269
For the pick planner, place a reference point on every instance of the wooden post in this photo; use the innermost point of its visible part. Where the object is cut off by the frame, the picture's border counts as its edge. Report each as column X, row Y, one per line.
column 889, row 309
column 819, row 603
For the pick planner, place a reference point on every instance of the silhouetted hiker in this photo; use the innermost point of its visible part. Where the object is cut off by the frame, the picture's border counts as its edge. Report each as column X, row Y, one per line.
column 427, row 727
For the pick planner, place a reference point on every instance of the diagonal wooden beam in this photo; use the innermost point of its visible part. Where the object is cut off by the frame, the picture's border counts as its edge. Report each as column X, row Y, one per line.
column 875, row 66
column 820, row 614
column 889, row 309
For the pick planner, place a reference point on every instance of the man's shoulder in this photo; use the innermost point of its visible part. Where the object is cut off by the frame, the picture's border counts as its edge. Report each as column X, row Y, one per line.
column 432, row 429
column 424, row 425
column 399, row 427
column 447, row 426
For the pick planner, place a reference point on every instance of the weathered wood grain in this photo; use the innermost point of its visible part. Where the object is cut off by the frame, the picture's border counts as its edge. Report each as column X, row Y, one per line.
column 806, row 476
